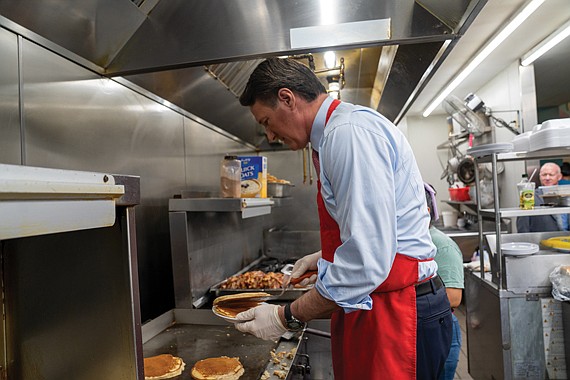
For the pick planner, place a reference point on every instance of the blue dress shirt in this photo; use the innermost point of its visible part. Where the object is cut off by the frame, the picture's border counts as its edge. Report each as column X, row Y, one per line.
column 372, row 188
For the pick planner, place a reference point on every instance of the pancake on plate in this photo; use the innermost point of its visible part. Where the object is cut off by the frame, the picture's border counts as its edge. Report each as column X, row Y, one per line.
column 163, row 366
column 231, row 305
column 221, row 368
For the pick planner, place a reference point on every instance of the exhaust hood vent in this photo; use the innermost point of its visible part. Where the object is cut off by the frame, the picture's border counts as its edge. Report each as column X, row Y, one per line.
column 233, row 75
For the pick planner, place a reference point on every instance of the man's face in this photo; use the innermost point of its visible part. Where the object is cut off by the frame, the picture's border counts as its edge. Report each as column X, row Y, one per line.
column 281, row 123
column 549, row 175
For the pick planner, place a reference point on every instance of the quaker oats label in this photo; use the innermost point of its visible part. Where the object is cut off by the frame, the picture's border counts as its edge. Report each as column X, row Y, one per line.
column 253, row 176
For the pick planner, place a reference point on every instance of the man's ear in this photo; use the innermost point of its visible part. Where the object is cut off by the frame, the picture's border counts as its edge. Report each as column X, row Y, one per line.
column 286, row 96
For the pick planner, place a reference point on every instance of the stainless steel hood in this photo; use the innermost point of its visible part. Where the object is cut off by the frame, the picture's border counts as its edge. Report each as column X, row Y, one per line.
column 196, row 53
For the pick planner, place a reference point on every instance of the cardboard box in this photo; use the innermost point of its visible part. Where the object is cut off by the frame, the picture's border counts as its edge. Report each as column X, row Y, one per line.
column 253, row 176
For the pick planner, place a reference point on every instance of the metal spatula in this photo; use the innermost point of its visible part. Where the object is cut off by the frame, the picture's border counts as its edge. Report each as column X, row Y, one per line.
column 287, row 269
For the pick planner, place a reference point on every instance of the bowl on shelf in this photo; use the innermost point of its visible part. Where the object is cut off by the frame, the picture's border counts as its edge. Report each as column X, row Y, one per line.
column 459, row 194
column 279, row 190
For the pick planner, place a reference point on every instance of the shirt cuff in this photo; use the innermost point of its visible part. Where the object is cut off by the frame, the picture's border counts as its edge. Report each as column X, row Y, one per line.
column 332, row 295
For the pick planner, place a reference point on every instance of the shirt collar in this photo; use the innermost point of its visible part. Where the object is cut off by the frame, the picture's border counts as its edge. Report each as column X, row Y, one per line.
column 318, row 127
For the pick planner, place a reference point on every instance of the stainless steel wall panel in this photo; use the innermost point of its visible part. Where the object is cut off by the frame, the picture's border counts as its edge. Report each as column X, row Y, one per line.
column 10, row 152
column 209, row 247
column 196, row 91
column 78, row 120
column 205, row 149
column 298, row 213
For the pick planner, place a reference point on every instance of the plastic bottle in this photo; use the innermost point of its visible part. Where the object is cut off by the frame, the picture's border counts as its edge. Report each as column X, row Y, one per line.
column 230, row 177
column 526, row 193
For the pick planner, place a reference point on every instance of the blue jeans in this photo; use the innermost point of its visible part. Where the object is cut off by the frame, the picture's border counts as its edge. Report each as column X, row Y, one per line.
column 453, row 357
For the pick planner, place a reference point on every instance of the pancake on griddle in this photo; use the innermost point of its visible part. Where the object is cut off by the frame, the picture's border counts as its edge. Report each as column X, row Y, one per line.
column 163, row 366
column 221, row 368
column 233, row 304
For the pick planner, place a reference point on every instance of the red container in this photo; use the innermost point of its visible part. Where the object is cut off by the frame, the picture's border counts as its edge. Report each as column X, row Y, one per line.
column 460, row 194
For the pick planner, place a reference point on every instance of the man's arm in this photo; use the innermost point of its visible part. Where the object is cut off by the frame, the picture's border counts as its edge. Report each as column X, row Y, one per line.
column 310, row 306
column 454, row 295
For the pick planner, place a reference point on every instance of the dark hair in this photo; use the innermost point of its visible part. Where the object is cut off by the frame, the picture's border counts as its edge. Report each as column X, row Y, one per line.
column 274, row 74
column 430, row 203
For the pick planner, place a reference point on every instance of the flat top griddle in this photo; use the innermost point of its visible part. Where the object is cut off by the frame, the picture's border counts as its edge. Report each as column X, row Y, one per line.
column 201, row 340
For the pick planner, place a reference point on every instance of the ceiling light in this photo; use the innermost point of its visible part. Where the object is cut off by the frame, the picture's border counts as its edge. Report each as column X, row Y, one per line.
column 484, row 53
column 330, row 59
column 548, row 43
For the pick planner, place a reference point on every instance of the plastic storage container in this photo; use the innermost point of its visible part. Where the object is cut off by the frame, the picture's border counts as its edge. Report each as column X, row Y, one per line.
column 459, row 194
column 230, row 177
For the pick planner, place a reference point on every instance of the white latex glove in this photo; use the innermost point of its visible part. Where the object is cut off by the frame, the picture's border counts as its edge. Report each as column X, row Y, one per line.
column 304, row 264
column 262, row 321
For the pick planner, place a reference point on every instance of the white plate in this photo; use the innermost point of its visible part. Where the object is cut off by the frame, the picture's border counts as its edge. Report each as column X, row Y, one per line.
column 487, row 149
column 519, row 249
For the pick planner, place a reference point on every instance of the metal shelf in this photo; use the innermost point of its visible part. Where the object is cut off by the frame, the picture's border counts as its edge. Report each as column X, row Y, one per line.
column 498, row 262
column 513, row 212
column 516, row 156
column 457, row 204
column 249, row 207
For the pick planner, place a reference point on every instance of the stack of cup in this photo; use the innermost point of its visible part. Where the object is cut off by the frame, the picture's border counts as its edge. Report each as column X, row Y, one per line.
column 449, row 218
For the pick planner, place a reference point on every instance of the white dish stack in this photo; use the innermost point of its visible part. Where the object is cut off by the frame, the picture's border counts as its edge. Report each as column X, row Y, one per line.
column 521, row 143
column 550, row 134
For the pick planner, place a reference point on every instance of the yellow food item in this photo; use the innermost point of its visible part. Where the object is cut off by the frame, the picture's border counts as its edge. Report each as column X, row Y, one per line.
column 559, row 242
column 273, row 179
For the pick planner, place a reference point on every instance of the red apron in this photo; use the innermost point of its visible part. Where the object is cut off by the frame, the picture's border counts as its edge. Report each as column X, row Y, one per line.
column 379, row 343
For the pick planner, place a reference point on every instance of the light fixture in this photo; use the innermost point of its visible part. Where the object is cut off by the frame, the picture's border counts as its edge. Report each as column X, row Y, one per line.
column 334, row 90
column 334, row 86
column 548, row 43
column 330, row 59
column 484, row 53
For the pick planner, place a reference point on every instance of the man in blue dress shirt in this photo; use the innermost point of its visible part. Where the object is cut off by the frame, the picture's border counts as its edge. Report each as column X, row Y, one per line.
column 377, row 280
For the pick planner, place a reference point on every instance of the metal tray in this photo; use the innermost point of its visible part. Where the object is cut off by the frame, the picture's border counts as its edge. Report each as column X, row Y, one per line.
column 290, row 294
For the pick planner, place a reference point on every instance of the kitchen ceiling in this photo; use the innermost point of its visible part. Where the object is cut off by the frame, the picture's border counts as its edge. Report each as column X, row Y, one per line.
column 167, row 48
column 552, row 71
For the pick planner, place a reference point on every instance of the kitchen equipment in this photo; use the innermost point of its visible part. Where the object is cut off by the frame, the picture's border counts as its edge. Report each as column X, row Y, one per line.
column 279, row 190
column 196, row 334
column 466, row 170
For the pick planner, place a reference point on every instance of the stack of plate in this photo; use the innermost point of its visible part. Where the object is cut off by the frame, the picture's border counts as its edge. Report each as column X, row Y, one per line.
column 519, row 249
column 488, row 149
column 521, row 143
column 550, row 134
